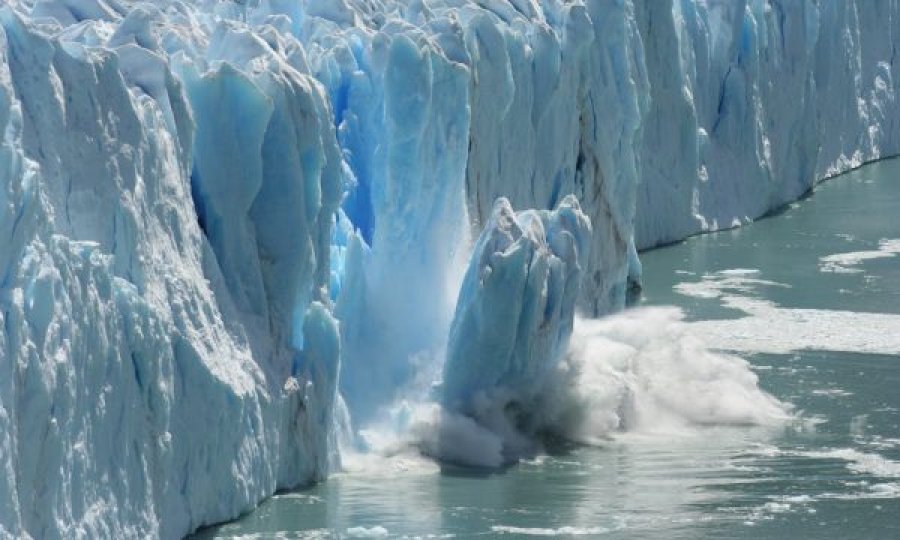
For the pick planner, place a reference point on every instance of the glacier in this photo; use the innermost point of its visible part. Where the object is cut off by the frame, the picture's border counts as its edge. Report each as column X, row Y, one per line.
column 238, row 232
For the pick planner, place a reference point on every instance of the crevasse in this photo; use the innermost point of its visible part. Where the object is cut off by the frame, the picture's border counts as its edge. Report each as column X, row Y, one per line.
column 229, row 225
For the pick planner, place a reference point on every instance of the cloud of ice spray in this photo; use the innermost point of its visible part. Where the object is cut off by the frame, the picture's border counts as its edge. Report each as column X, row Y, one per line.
column 645, row 370
column 640, row 371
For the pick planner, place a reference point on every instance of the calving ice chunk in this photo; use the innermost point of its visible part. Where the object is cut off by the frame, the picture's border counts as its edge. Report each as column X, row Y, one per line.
column 219, row 216
column 514, row 314
column 516, row 368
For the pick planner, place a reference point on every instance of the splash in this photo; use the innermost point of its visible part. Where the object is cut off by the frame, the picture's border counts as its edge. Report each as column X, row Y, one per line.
column 643, row 371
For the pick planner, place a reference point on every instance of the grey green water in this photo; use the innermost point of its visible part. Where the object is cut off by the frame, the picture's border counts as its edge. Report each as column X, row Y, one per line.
column 810, row 297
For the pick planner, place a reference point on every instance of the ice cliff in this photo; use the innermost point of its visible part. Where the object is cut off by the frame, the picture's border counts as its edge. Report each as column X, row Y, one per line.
column 232, row 229
column 753, row 102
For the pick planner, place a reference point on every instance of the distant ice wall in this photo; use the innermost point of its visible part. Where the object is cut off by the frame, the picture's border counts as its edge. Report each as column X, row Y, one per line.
column 216, row 214
column 754, row 101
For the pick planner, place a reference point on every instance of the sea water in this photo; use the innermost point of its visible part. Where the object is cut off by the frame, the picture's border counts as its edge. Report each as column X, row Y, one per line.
column 809, row 296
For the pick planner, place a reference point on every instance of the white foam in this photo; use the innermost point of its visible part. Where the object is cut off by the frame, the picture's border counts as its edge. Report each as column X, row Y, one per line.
column 769, row 328
column 387, row 461
column 777, row 507
column 883, row 442
column 887, row 490
column 310, row 534
column 882, row 490
column 860, row 462
column 780, row 331
column 768, row 511
column 845, row 263
column 832, row 392
column 645, row 370
column 542, row 531
column 299, row 497
column 367, row 532
column 411, row 433
column 797, row 499
column 740, row 272
column 855, row 460
column 725, row 282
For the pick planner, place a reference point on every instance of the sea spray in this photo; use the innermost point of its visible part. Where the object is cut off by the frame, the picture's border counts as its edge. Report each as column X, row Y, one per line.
column 642, row 371
column 522, row 368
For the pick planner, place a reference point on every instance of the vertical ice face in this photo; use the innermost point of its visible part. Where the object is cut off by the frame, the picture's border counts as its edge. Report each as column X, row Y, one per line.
column 556, row 108
column 216, row 215
column 668, row 179
column 395, row 299
column 166, row 361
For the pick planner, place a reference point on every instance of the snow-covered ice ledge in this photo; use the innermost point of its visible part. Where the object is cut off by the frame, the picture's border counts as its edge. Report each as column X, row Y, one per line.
column 216, row 214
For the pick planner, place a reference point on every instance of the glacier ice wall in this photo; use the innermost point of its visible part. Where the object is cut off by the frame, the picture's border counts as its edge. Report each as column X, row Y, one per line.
column 753, row 102
column 223, row 220
column 515, row 313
